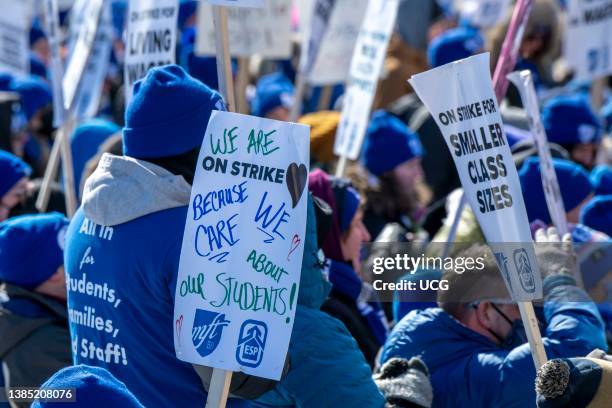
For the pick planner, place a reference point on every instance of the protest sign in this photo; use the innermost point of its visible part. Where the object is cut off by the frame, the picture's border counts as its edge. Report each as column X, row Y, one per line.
column 242, row 249
column 468, row 117
column 339, row 43
column 237, row 3
column 151, row 38
column 366, row 65
column 482, row 13
column 588, row 38
column 57, row 67
column 524, row 82
column 14, row 37
column 264, row 31
column 81, row 51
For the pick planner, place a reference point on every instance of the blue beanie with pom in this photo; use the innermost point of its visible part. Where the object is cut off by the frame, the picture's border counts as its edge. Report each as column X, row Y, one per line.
column 12, row 169
column 35, row 94
column 597, row 214
column 573, row 180
column 570, row 120
column 272, row 91
column 601, row 178
column 168, row 113
column 389, row 143
column 94, row 387
column 31, row 248
column 453, row 45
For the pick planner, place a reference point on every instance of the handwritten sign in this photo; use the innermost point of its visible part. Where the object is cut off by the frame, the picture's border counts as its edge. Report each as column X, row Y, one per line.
column 339, row 43
column 483, row 13
column 81, row 51
column 311, row 41
column 151, row 38
column 469, row 119
column 242, row 248
column 237, row 3
column 588, row 38
column 365, row 70
column 14, row 39
column 524, row 83
column 57, row 67
column 265, row 31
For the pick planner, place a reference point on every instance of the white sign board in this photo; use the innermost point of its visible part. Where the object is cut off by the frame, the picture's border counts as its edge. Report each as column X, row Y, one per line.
column 366, row 66
column 264, row 31
column 588, row 38
column 524, row 83
column 81, row 51
column 14, row 37
column 461, row 99
column 151, row 38
column 314, row 33
column 242, row 249
column 339, row 43
column 483, row 13
column 57, row 67
column 237, row 3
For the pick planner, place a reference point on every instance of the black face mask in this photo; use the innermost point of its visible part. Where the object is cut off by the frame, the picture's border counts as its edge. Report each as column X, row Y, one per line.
column 515, row 337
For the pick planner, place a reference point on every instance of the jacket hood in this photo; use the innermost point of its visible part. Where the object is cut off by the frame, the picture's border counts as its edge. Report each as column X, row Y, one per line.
column 15, row 327
column 122, row 189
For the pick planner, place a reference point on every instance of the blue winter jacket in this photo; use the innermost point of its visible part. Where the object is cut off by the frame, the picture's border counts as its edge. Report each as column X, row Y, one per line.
column 468, row 370
column 327, row 367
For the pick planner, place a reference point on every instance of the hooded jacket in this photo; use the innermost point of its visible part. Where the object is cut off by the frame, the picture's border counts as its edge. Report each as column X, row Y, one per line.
column 327, row 367
column 469, row 370
column 121, row 259
column 34, row 337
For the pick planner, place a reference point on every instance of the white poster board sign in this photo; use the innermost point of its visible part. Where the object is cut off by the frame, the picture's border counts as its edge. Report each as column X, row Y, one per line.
column 14, row 37
column 461, row 99
column 314, row 33
column 366, row 65
column 264, row 31
column 151, row 38
column 57, row 67
column 524, row 83
column 237, row 3
column 588, row 38
column 242, row 249
column 483, row 13
column 337, row 48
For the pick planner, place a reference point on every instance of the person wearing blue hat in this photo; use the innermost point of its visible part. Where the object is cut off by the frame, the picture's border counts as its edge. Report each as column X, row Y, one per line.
column 574, row 183
column 84, row 142
column 606, row 114
column 392, row 154
column 570, row 122
column 453, row 45
column 93, row 387
column 273, row 97
column 601, row 179
column 39, row 44
column 597, row 214
column 125, row 242
column 37, row 67
column 14, row 182
column 34, row 336
column 187, row 14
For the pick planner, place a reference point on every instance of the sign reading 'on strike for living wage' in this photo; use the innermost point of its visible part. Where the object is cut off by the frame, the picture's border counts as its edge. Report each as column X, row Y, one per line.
column 460, row 98
column 151, row 38
column 241, row 256
column 14, row 40
column 366, row 65
column 588, row 38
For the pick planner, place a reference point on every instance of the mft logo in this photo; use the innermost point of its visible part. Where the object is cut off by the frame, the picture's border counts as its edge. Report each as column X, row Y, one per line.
column 207, row 330
column 251, row 343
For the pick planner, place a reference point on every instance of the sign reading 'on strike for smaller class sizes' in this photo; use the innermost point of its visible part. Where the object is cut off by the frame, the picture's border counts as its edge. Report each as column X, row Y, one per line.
column 469, row 119
column 241, row 255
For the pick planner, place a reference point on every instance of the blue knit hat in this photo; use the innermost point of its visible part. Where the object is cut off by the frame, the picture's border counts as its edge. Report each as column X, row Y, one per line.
column 37, row 67
column 453, row 45
column 94, row 387
column 597, row 214
column 573, row 180
column 12, row 169
column 601, row 179
column 168, row 113
column 187, row 8
column 31, row 248
column 6, row 81
column 389, row 143
column 34, row 92
column 273, row 91
column 570, row 120
column 85, row 140
column 36, row 33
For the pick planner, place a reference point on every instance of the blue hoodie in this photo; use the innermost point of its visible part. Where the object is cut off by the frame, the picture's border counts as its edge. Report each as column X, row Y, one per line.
column 121, row 259
column 469, row 370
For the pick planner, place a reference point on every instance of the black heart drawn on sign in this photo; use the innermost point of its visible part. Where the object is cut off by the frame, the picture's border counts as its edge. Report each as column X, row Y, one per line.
column 296, row 181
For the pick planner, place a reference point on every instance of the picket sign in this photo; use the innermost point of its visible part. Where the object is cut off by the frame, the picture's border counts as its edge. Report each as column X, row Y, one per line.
column 588, row 38
column 366, row 65
column 482, row 13
column 14, row 40
column 147, row 22
column 311, row 43
column 470, row 121
column 505, row 64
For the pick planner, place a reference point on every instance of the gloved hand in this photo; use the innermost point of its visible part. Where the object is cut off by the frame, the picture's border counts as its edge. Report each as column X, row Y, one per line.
column 555, row 255
column 405, row 383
